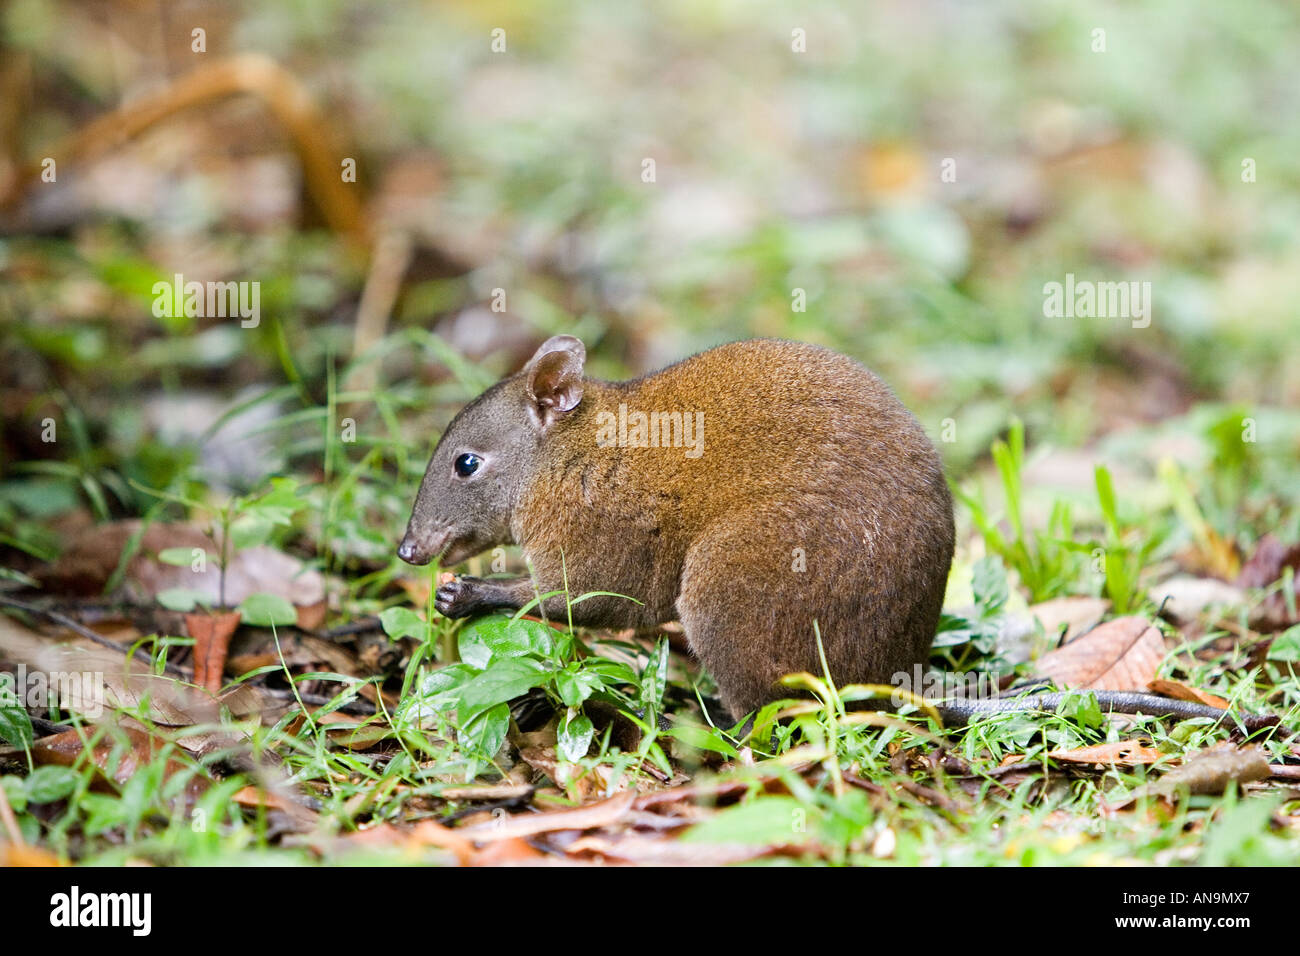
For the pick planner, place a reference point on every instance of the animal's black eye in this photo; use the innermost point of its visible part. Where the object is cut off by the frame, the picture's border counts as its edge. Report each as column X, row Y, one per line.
column 467, row 464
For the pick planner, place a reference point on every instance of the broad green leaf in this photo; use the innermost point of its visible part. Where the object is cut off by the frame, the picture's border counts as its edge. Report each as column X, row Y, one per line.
column 503, row 681
column 655, row 676
column 183, row 557
column 576, row 683
column 486, row 730
column 250, row 530
column 573, row 737
column 498, row 637
column 267, row 610
column 701, row 738
column 16, row 791
column 758, row 822
column 399, row 622
column 15, row 725
column 1286, row 646
column 989, row 583
column 181, row 599
column 436, row 693
column 47, row 784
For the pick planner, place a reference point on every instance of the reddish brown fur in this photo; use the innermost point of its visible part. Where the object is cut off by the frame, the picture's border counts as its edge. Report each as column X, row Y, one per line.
column 803, row 448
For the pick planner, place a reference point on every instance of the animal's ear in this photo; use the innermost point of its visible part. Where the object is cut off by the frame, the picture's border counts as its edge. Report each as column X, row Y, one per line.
column 553, row 377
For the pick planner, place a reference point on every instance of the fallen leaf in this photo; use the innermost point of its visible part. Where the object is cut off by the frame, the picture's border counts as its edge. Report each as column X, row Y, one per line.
column 211, row 633
column 1173, row 688
column 496, row 791
column 1209, row 772
column 513, row 850
column 651, row 851
column 1075, row 614
column 86, row 566
column 1127, row 752
column 1122, row 654
column 1184, row 598
column 106, row 679
column 133, row 748
column 1266, row 566
column 14, row 855
column 602, row 813
column 1270, row 558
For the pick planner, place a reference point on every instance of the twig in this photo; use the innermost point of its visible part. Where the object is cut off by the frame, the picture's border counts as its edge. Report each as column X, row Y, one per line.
column 362, row 708
column 360, row 626
column 256, row 75
column 81, row 630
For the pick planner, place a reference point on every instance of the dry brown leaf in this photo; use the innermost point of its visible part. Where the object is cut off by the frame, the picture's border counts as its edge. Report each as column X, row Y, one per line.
column 311, row 616
column 107, row 680
column 602, row 813
column 15, row 855
column 255, row 797
column 1209, row 772
column 87, row 565
column 512, row 851
column 211, row 633
column 492, row 791
column 66, row 749
column 432, row 833
column 1184, row 597
column 1127, row 752
column 656, row 851
column 1075, row 614
column 1122, row 654
column 1265, row 566
column 1173, row 688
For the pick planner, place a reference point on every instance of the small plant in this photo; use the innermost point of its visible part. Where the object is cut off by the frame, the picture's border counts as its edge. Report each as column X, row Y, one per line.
column 244, row 522
column 1120, row 563
column 1046, row 563
column 502, row 658
column 964, row 641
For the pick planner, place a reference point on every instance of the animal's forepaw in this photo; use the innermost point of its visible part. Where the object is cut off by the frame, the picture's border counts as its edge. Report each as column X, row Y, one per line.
column 459, row 597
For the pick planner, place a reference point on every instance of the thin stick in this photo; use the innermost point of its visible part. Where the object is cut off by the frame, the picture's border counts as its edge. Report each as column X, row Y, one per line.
column 80, row 629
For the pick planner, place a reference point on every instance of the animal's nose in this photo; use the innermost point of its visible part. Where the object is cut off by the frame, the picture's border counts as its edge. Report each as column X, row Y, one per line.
column 409, row 552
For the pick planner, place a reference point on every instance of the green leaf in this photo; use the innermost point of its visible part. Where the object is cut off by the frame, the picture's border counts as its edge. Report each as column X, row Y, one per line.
column 15, row 725
column 701, row 737
column 1106, row 497
column 1286, row 646
column 575, row 684
column 498, row 637
column 436, row 693
column 15, row 791
column 250, row 530
column 182, row 557
column 181, row 599
column 277, row 506
column 102, row 812
column 655, row 676
column 486, row 731
column 1083, row 709
column 503, row 681
column 399, row 622
column 573, row 738
column 989, row 584
column 47, row 784
column 267, row 610
column 758, row 822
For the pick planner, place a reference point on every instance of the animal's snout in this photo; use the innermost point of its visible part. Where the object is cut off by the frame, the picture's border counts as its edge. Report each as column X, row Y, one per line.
column 410, row 552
